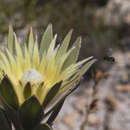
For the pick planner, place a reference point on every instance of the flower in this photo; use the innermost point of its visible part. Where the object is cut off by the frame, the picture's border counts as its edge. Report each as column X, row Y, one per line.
column 34, row 76
column 38, row 68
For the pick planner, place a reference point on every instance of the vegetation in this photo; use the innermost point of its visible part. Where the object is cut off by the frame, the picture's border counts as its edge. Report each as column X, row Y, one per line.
column 37, row 76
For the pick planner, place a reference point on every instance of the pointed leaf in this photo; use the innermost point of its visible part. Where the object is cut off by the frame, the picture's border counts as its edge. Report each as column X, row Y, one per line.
column 52, row 45
column 64, row 45
column 12, row 117
column 31, row 39
column 27, row 90
column 72, row 58
column 51, row 94
column 77, row 45
column 4, row 124
column 36, row 58
column 68, row 85
column 39, row 90
column 31, row 42
column 43, row 127
column 30, row 113
column 10, row 39
column 5, row 62
column 55, row 112
column 87, row 66
column 8, row 94
column 62, row 60
column 61, row 100
column 19, row 57
column 12, row 61
column 46, row 39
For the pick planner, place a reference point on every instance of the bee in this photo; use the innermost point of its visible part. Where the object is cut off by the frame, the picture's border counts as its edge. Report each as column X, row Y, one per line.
column 108, row 56
column 109, row 59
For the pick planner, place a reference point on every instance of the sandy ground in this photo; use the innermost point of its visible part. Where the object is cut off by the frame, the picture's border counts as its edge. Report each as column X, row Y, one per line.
column 112, row 111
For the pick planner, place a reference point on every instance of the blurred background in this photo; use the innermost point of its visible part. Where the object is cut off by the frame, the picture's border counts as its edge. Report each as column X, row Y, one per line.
column 105, row 29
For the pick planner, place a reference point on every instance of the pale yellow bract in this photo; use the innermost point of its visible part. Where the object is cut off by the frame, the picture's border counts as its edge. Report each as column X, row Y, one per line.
column 42, row 63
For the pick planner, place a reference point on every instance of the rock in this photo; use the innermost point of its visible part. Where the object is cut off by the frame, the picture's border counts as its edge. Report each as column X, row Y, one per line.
column 81, row 104
column 123, row 88
column 93, row 120
column 71, row 119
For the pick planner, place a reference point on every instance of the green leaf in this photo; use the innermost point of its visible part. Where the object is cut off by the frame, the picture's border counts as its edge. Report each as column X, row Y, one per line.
column 39, row 90
column 72, row 58
column 13, row 118
column 87, row 66
column 64, row 45
column 55, row 106
column 30, row 113
column 51, row 94
column 31, row 39
column 31, row 42
column 10, row 39
column 4, row 123
column 27, row 90
column 7, row 93
column 43, row 127
column 61, row 100
column 46, row 39
column 55, row 112
column 77, row 45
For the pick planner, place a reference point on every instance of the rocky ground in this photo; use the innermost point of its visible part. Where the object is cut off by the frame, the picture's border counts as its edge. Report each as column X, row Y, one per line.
column 115, row 12
column 112, row 109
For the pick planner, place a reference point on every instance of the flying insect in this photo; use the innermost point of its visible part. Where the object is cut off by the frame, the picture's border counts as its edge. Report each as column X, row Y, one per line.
column 109, row 59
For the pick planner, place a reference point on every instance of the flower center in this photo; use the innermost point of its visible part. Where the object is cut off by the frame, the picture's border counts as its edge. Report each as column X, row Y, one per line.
column 32, row 76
